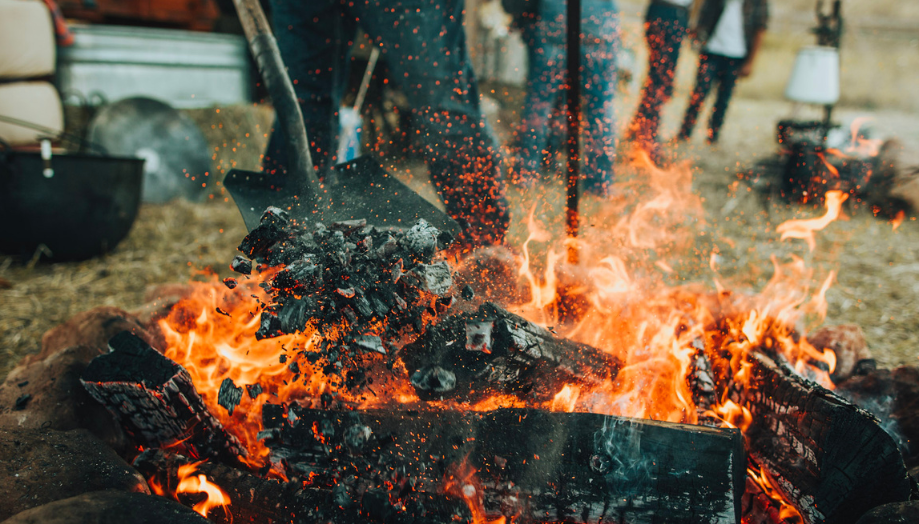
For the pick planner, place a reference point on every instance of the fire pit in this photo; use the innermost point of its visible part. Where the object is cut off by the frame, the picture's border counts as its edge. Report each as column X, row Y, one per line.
column 350, row 374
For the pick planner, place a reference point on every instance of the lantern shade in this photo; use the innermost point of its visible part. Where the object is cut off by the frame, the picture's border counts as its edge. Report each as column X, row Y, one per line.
column 815, row 77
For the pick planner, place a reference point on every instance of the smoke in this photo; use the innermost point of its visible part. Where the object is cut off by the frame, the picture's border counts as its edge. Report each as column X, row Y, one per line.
column 619, row 458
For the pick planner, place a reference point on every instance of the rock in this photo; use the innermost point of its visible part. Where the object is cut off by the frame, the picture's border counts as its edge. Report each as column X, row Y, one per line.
column 894, row 513
column 93, row 329
column 58, row 399
column 849, row 344
column 41, row 466
column 110, row 507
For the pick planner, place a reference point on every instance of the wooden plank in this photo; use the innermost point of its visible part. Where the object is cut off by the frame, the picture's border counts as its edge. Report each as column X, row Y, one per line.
column 537, row 465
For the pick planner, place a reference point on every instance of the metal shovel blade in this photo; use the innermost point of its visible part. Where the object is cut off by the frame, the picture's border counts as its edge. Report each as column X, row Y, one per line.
column 359, row 189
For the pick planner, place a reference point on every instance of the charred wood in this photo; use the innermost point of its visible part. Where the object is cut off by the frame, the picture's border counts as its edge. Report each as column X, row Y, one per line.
column 832, row 460
column 155, row 400
column 530, row 464
column 268, row 501
column 471, row 355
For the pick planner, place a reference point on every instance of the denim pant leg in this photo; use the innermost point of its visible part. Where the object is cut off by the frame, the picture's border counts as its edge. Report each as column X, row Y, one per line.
column 306, row 32
column 665, row 27
column 543, row 91
column 599, row 119
column 728, row 73
column 424, row 45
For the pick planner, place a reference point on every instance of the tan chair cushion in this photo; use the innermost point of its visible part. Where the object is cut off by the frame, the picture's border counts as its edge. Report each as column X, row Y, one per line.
column 36, row 103
column 26, row 39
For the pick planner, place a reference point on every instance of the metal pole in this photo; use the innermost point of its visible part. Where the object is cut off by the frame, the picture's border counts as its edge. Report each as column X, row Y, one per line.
column 573, row 78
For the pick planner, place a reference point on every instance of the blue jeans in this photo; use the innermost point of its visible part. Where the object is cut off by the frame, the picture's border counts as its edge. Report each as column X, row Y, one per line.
column 547, row 50
column 665, row 27
column 711, row 67
column 424, row 46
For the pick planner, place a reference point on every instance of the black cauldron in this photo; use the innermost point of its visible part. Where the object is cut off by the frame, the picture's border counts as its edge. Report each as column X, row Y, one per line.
column 85, row 208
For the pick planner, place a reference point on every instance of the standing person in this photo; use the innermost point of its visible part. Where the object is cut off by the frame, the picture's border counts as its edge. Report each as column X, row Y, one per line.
column 424, row 46
column 545, row 37
column 665, row 26
column 732, row 32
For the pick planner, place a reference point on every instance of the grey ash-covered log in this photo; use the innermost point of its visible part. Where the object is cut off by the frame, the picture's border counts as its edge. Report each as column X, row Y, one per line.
column 832, row 460
column 155, row 400
column 535, row 465
column 472, row 355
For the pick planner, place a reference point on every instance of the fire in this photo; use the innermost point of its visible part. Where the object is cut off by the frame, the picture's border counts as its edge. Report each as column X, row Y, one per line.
column 211, row 333
column 787, row 513
column 191, row 483
column 804, row 229
column 461, row 482
column 862, row 146
column 628, row 307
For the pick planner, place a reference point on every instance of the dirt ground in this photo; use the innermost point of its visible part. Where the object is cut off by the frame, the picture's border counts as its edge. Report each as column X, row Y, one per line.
column 878, row 268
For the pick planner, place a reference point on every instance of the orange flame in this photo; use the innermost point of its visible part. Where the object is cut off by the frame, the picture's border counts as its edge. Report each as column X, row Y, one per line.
column 787, row 513
column 191, row 483
column 897, row 220
column 804, row 229
column 631, row 311
column 461, row 482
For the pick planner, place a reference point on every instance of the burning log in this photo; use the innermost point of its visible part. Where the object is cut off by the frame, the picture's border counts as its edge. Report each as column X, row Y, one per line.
column 155, row 400
column 529, row 464
column 252, row 499
column 827, row 457
column 491, row 350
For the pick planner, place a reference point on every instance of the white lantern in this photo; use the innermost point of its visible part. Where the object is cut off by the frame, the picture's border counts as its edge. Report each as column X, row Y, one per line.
column 815, row 77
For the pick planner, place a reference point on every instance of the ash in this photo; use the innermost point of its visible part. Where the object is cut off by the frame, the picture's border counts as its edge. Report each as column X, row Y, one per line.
column 361, row 289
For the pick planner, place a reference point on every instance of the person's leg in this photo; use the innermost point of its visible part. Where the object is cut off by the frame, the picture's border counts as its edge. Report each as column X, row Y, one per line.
column 728, row 72
column 665, row 28
column 305, row 33
column 544, row 81
column 704, row 77
column 424, row 45
column 599, row 120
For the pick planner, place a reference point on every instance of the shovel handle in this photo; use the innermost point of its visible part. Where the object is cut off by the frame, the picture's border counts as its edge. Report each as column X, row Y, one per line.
column 273, row 72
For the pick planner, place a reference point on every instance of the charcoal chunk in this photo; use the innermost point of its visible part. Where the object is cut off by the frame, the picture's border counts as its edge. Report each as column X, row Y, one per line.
column 231, row 283
column 421, row 241
column 270, row 326
column 468, row 293
column 253, row 390
column 229, row 395
column 241, row 264
column 434, row 379
column 434, row 278
column 347, row 227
